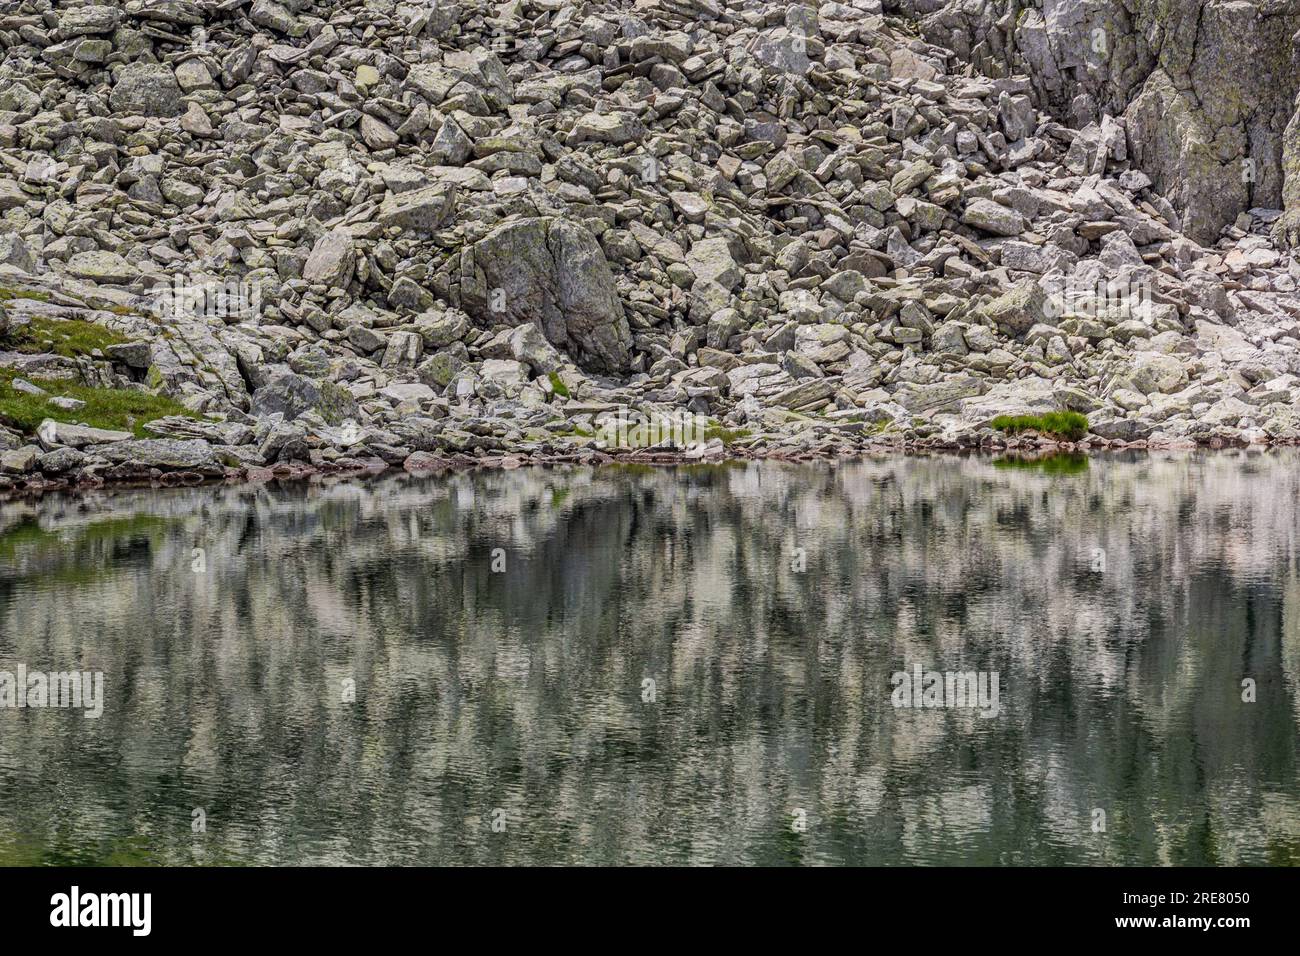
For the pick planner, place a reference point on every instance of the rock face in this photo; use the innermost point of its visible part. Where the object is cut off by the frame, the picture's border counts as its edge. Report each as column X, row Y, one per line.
column 551, row 274
column 1206, row 88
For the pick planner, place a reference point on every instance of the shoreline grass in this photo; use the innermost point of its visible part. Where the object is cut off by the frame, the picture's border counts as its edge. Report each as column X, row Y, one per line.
column 1070, row 426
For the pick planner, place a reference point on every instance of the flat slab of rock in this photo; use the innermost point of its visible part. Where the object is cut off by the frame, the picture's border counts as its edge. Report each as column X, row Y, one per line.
column 77, row 436
column 190, row 454
column 916, row 398
column 408, row 391
column 102, row 266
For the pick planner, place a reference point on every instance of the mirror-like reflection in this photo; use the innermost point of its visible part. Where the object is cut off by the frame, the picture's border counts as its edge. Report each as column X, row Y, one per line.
column 688, row 665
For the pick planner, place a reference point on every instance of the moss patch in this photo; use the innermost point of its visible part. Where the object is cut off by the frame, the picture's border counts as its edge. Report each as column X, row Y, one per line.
column 557, row 384
column 1068, row 425
column 728, row 435
column 336, row 403
column 8, row 295
column 112, row 408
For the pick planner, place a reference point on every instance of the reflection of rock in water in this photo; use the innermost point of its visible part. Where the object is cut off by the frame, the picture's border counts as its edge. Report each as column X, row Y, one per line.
column 522, row 690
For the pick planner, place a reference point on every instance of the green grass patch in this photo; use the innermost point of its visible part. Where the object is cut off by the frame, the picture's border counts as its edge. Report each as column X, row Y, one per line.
column 1067, row 464
column 8, row 295
column 1068, row 425
column 67, row 337
column 113, row 408
column 557, row 385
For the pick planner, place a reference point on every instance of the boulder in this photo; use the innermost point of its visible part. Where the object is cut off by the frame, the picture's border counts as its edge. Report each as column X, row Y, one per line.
column 146, row 89
column 993, row 217
column 332, row 259
column 193, row 454
column 1018, row 309
column 420, row 211
column 292, row 395
column 550, row 273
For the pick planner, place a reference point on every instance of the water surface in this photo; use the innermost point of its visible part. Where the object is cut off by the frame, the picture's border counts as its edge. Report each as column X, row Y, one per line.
column 456, row 669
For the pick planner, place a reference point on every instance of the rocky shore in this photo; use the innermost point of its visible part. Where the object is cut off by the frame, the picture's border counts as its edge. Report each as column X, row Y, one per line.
column 241, row 239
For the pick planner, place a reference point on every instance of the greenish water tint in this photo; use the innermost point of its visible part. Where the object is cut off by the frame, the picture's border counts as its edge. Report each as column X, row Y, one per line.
column 1121, row 604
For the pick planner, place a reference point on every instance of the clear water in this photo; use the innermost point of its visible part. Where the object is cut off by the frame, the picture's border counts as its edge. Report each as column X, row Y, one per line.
column 499, row 630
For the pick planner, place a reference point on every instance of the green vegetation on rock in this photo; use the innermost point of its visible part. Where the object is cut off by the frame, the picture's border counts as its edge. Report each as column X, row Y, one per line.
column 727, row 435
column 557, row 385
column 8, row 295
column 1070, row 426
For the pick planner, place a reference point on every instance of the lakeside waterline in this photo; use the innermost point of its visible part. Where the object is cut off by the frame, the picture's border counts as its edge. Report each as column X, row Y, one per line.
column 518, row 696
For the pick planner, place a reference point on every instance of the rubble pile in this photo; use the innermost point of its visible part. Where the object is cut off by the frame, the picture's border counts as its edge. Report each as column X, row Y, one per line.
column 365, row 234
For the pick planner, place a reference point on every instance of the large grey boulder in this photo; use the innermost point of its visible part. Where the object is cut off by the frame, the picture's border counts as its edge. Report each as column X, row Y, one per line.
column 291, row 395
column 99, row 265
column 1018, row 309
column 19, row 461
column 332, row 259
column 993, row 217
column 90, row 20
column 550, row 273
column 146, row 89
column 15, row 252
column 616, row 128
column 782, row 49
column 421, row 211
